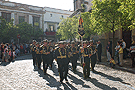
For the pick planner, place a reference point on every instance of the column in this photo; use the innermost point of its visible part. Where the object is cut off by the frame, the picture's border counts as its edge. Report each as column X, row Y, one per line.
column 13, row 17
column 0, row 13
column 56, row 26
column 40, row 21
column 45, row 26
column 30, row 19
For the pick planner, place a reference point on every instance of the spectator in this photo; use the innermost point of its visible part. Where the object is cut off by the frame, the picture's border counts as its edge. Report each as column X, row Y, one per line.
column 124, row 49
column 109, row 51
column 13, row 54
column 121, row 55
column 132, row 49
column 2, row 51
column 17, row 52
column 10, row 53
column 117, row 52
column 24, row 49
column 21, row 48
column 99, row 50
column 112, row 62
column 6, row 54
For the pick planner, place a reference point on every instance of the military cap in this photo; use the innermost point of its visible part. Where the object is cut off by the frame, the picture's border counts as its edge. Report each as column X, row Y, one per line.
column 91, row 41
column 34, row 41
column 50, row 41
column 85, row 41
column 61, row 42
column 45, row 40
column 64, row 42
column 73, row 42
column 37, row 43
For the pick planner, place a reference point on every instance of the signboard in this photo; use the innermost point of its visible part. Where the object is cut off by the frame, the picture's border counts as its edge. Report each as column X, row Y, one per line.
column 18, row 36
column 81, row 31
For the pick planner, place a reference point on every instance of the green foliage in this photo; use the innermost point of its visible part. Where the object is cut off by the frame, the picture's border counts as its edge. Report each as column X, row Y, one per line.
column 87, row 24
column 128, row 9
column 68, row 28
column 10, row 31
column 105, row 15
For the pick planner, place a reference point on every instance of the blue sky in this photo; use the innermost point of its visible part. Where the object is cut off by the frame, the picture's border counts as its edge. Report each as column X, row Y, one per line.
column 59, row 4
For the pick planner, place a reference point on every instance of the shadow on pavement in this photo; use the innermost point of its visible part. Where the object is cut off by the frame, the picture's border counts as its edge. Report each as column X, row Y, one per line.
column 4, row 63
column 25, row 57
column 52, row 82
column 101, row 85
column 55, row 69
column 77, row 81
column 110, row 77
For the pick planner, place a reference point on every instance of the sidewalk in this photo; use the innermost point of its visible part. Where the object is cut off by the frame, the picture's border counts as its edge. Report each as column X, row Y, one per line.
column 126, row 65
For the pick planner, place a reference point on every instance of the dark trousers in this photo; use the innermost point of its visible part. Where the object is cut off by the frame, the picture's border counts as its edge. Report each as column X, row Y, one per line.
column 74, row 62
column 132, row 57
column 86, row 68
column 93, row 61
column 63, row 71
column 45, row 63
column 39, row 60
column 99, row 57
column 124, row 53
column 34, row 58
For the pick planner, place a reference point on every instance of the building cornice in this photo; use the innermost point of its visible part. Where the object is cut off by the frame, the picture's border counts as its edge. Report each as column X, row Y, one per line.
column 20, row 11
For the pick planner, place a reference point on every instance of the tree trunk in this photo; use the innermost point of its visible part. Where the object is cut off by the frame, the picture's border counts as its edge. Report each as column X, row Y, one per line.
column 113, row 40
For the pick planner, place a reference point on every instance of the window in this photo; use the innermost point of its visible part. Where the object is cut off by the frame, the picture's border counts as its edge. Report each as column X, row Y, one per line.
column 51, row 28
column 50, row 15
column 6, row 16
column 62, row 16
column 36, row 22
column 21, row 19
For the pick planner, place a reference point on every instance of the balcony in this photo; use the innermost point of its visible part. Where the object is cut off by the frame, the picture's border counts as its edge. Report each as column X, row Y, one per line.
column 50, row 33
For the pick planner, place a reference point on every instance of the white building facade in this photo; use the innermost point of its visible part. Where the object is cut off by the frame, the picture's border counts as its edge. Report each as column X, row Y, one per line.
column 45, row 18
column 52, row 18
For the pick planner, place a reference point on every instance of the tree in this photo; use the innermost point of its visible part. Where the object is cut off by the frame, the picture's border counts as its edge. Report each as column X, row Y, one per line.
column 87, row 24
column 26, row 31
column 106, row 17
column 68, row 28
column 128, row 9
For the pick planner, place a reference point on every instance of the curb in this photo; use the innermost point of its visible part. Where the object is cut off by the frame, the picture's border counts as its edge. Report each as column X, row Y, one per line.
column 118, row 68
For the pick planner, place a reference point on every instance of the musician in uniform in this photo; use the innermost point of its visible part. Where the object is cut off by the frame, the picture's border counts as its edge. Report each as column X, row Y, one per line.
column 38, row 55
column 94, row 56
column 86, row 60
column 74, row 57
column 61, row 55
column 33, row 47
column 45, row 55
column 51, row 53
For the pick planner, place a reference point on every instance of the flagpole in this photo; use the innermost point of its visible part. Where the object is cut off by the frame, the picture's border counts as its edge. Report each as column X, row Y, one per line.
column 82, row 48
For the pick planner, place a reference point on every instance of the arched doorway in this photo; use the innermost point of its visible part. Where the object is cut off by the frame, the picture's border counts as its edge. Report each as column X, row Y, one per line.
column 126, row 35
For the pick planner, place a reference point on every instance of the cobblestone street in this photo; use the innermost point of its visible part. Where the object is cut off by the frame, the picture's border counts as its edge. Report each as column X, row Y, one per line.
column 20, row 75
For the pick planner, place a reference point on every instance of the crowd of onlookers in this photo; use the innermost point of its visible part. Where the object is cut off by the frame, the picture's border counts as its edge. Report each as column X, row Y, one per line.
column 121, row 52
column 10, row 51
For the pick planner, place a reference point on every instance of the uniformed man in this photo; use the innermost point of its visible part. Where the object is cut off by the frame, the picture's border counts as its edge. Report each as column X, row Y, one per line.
column 74, row 57
column 33, row 47
column 93, row 57
column 45, row 55
column 38, row 55
column 51, row 53
column 86, row 63
column 61, row 56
